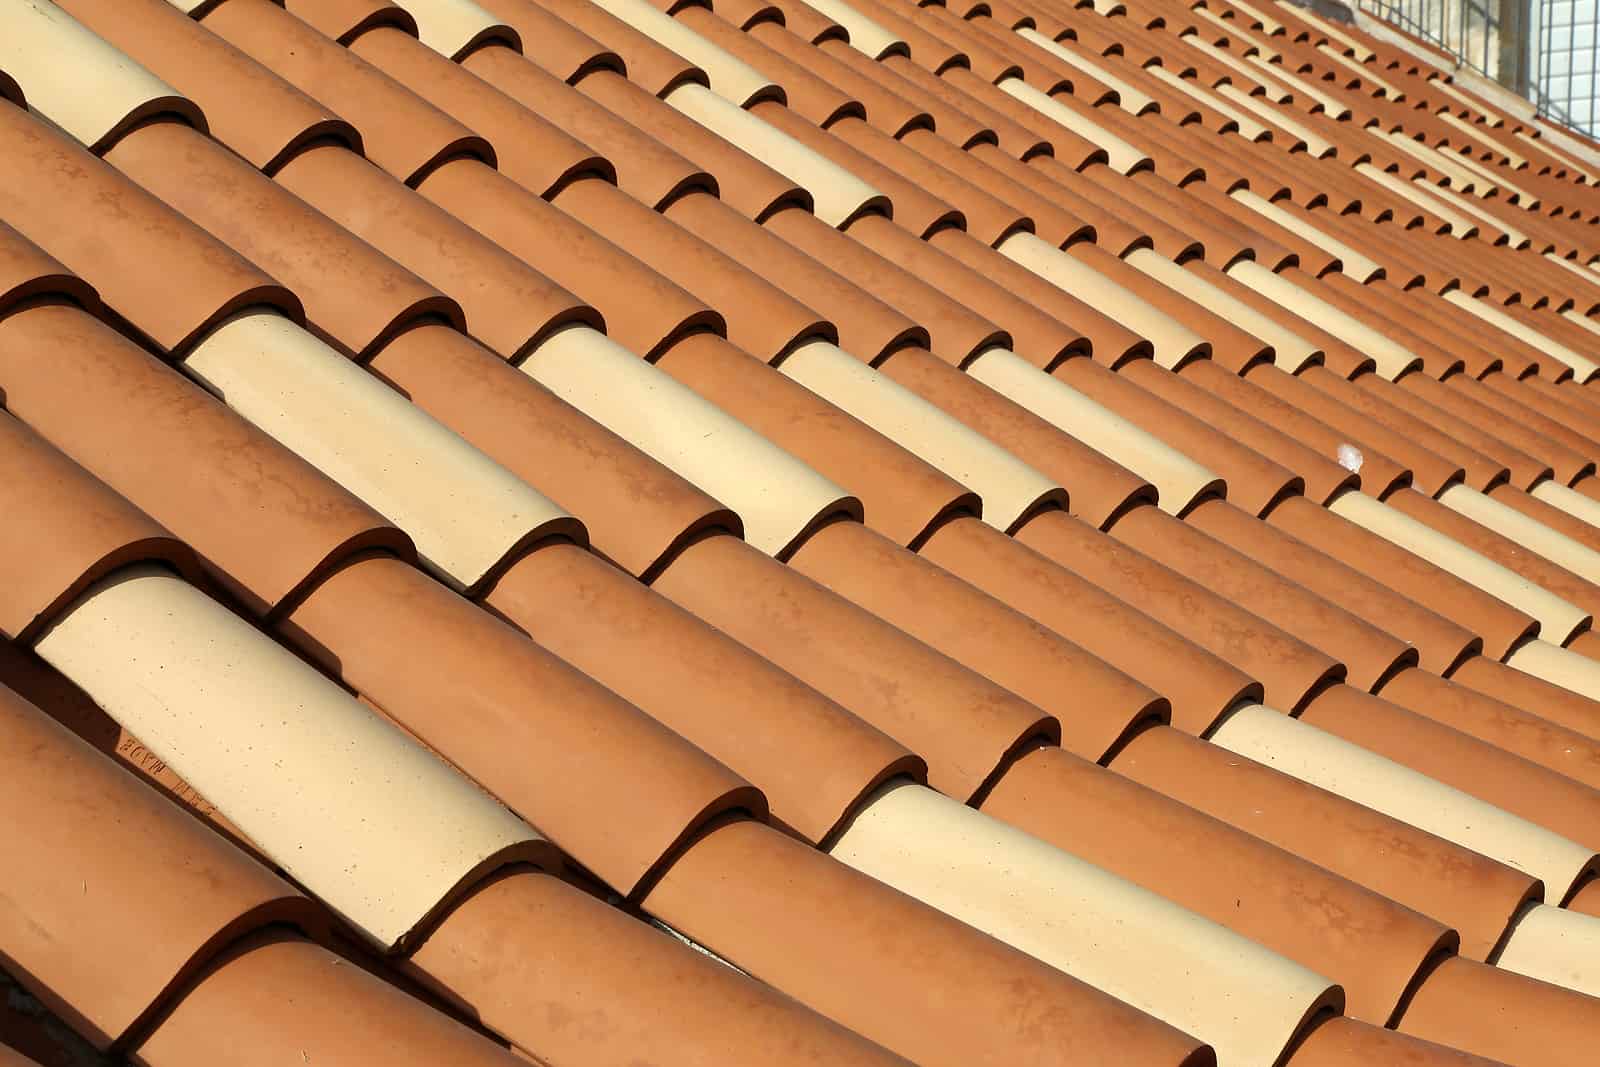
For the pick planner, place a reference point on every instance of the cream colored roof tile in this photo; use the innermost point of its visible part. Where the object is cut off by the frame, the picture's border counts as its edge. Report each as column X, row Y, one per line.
column 1249, row 128
column 1277, row 92
column 1269, row 25
column 1558, row 619
column 1247, row 1002
column 1132, row 99
column 1423, row 194
column 1332, row 763
column 865, row 35
column 1551, row 663
column 1173, row 341
column 1581, row 365
column 839, row 196
column 1290, row 351
column 1571, row 501
column 1392, row 358
column 1278, row 115
column 731, row 78
column 466, row 513
column 1304, row 87
column 779, row 498
column 78, row 81
column 379, row 828
column 1528, row 532
column 1362, row 71
column 1555, row 945
column 1179, row 480
column 1011, row 490
column 1353, row 262
column 1123, row 156
column 1236, row 32
column 455, row 27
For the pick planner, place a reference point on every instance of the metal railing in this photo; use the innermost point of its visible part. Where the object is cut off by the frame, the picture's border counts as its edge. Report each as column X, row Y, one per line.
column 1545, row 50
column 1568, row 47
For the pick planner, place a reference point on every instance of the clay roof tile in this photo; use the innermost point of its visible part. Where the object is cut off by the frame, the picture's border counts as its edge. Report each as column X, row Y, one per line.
column 151, row 889
column 248, row 107
column 124, row 241
column 69, row 530
column 27, row 274
column 199, row 465
column 400, row 132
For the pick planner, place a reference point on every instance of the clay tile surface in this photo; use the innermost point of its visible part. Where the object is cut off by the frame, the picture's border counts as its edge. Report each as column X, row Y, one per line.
column 102, row 870
column 647, row 168
column 806, row 91
column 355, row 297
column 679, row 1004
column 663, row 310
column 519, row 688
column 638, row 512
column 262, row 117
column 887, row 109
column 27, row 273
column 150, row 265
column 814, row 758
column 529, row 150
column 274, row 998
column 400, row 132
column 345, row 20
column 744, row 182
column 69, row 530
column 655, row 68
column 200, row 465
column 510, row 307
column 1274, row 609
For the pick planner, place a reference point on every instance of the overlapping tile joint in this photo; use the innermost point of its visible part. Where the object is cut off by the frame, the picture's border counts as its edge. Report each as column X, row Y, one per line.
column 853, row 532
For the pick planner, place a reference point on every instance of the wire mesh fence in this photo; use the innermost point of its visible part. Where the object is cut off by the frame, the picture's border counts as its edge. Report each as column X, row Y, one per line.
column 1546, row 50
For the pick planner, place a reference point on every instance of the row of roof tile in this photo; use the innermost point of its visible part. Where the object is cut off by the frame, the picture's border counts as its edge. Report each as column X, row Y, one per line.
column 841, row 398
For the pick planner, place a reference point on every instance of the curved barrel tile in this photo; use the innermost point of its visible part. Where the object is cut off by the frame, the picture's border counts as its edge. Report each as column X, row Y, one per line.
column 379, row 828
column 266, row 119
column 1247, row 1002
column 170, row 449
column 85, row 85
column 62, row 531
column 1323, row 759
column 779, row 499
column 467, row 514
column 113, row 897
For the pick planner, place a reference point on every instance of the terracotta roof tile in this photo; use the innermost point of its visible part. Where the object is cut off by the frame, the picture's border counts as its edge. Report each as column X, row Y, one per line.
column 599, row 260
column 356, row 298
column 272, row 997
column 649, row 170
column 400, row 132
column 76, row 531
column 509, row 306
column 803, row 90
column 888, row 110
column 28, row 274
column 1100, row 1030
column 184, row 893
column 132, row 274
column 345, row 20
column 744, row 182
column 536, row 233
column 653, row 66
column 686, row 1002
column 200, row 466
column 517, row 687
column 263, row 118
